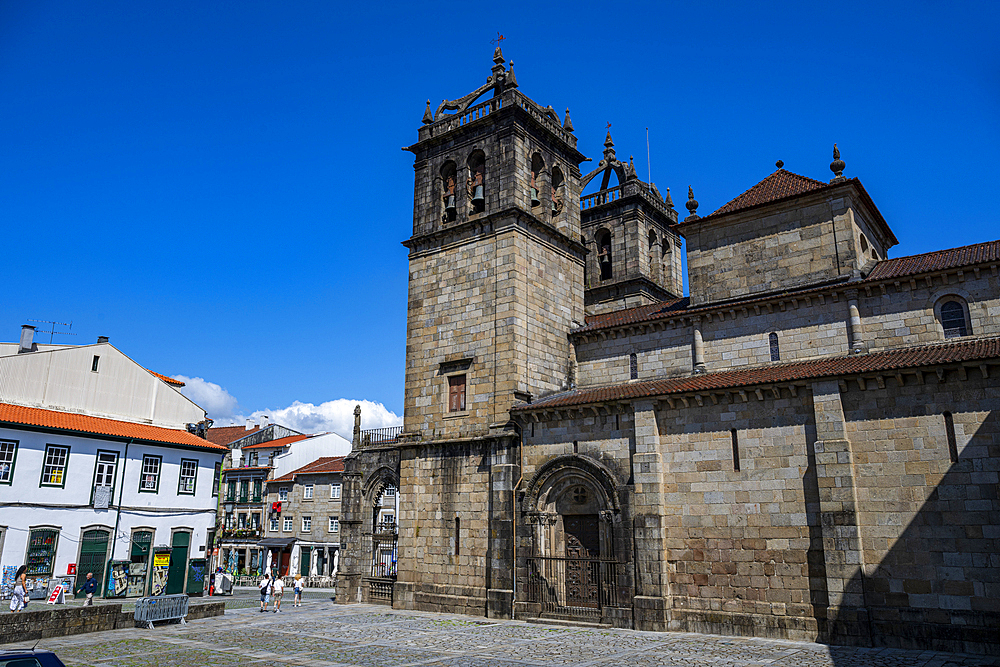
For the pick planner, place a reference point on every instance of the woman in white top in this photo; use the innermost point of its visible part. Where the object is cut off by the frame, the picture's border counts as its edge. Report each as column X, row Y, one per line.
column 277, row 590
column 300, row 586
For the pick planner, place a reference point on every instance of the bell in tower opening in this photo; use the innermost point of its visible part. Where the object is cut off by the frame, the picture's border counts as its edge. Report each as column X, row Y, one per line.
column 536, row 169
column 477, row 167
column 448, row 173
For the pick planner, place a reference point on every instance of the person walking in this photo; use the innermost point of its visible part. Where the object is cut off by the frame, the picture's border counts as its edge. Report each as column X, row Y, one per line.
column 89, row 588
column 278, row 591
column 298, row 586
column 265, row 591
column 19, row 596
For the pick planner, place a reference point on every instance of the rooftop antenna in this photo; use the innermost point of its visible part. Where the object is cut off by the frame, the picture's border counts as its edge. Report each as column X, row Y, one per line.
column 52, row 331
column 649, row 168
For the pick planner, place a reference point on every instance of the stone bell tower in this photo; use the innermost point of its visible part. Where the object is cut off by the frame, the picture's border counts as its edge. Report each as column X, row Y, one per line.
column 496, row 283
column 496, row 260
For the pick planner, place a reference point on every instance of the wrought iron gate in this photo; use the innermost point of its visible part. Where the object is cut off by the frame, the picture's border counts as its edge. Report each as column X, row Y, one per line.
column 577, row 587
column 382, row 575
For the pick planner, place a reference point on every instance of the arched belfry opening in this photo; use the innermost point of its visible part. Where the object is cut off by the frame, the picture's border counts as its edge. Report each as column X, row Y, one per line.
column 577, row 562
column 476, row 182
column 604, row 254
column 537, row 169
column 558, row 191
column 449, row 188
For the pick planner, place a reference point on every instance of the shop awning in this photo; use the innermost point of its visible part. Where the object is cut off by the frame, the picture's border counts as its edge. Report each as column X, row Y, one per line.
column 276, row 542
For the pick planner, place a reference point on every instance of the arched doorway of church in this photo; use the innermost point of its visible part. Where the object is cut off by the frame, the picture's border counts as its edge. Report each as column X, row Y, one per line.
column 575, row 566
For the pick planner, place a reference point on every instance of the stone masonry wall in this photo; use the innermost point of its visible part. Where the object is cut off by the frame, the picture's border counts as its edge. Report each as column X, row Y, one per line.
column 928, row 525
column 441, row 482
column 905, row 315
column 741, row 542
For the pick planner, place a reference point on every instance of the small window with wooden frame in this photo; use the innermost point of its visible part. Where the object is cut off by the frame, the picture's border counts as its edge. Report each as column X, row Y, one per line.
column 456, row 393
column 455, row 375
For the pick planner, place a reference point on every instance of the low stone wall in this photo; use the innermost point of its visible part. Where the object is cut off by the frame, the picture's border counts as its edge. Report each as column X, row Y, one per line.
column 32, row 624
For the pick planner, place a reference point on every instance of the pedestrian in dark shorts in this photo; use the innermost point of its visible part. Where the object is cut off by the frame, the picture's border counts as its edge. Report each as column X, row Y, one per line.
column 265, row 591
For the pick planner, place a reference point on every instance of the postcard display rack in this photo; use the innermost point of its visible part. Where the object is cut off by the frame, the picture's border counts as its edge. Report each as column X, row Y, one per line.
column 41, row 558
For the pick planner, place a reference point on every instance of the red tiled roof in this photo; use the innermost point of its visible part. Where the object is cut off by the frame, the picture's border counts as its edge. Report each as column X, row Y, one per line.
column 778, row 185
column 280, row 442
column 320, row 465
column 940, row 260
column 68, row 421
column 890, row 360
column 168, row 380
column 223, row 435
column 638, row 314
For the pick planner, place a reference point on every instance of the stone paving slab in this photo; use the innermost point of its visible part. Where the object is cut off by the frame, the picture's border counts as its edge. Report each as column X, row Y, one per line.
column 322, row 634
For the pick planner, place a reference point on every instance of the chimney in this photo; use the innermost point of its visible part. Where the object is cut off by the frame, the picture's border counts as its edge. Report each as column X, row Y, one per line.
column 264, row 421
column 27, row 338
column 102, row 339
column 249, row 424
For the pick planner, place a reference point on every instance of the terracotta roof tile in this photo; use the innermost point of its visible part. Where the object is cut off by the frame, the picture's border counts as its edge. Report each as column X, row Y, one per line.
column 320, row 465
column 779, row 185
column 280, row 442
column 68, row 421
column 223, row 435
column 939, row 260
column 911, row 357
column 168, row 380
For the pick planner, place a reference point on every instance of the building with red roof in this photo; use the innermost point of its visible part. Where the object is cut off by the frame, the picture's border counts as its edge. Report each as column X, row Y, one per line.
column 107, row 466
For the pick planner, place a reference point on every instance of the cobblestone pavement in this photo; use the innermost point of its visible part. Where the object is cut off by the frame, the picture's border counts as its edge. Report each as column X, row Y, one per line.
column 320, row 633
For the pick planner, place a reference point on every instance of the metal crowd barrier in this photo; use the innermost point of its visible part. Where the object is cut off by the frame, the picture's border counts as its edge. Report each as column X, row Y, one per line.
column 161, row 608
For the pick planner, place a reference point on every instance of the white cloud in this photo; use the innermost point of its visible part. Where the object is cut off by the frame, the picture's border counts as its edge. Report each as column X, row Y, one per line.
column 336, row 416
column 219, row 403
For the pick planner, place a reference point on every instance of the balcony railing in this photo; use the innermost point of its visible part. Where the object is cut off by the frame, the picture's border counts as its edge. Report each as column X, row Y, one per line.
column 242, row 533
column 374, row 437
column 602, row 197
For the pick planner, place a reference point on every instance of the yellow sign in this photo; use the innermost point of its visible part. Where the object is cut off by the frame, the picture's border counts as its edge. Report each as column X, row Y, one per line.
column 161, row 560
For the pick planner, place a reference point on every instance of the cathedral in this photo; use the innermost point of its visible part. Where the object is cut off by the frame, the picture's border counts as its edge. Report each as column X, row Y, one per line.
column 803, row 447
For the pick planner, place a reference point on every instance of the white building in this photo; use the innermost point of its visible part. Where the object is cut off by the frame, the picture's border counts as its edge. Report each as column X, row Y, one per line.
column 98, row 462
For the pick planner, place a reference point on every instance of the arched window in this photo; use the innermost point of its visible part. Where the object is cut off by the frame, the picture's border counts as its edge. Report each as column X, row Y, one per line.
column 633, row 366
column 449, row 190
column 604, row 254
column 772, row 339
column 653, row 263
column 557, row 191
column 667, row 259
column 537, row 165
column 953, row 317
column 476, row 182
column 864, row 244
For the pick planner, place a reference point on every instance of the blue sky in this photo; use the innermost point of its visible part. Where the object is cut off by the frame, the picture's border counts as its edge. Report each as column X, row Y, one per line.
column 219, row 186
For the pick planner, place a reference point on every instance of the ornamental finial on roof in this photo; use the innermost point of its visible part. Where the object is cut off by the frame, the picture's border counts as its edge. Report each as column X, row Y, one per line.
column 609, row 148
column 692, row 206
column 428, row 116
column 837, row 167
column 779, row 164
column 568, row 124
column 668, row 200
